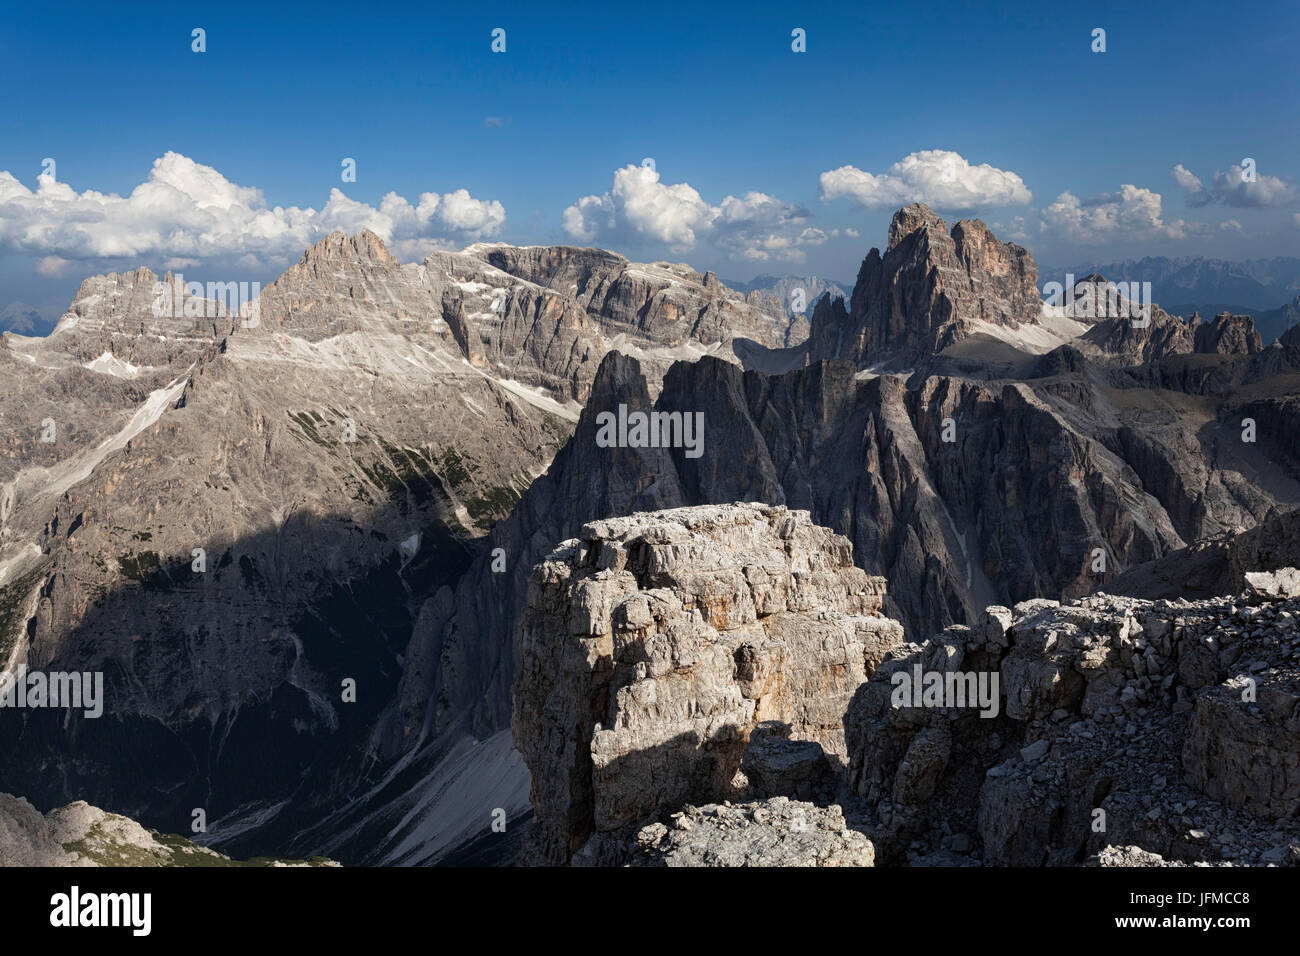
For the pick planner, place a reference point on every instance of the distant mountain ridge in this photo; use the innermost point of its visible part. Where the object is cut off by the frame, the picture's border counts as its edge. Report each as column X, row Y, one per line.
column 1266, row 289
column 1251, row 283
column 22, row 319
column 782, row 287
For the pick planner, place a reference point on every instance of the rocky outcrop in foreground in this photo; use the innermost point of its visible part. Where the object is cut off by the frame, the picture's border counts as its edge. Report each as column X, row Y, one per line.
column 1169, row 726
column 655, row 645
column 82, row 835
column 776, row 832
column 684, row 675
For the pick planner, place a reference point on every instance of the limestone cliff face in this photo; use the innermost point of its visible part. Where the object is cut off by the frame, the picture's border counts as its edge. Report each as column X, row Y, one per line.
column 654, row 645
column 669, row 303
column 929, row 290
column 540, row 316
column 90, row 375
column 127, row 316
column 1118, row 339
column 464, row 638
column 963, row 493
column 263, row 529
column 502, row 326
column 1229, row 334
column 336, row 457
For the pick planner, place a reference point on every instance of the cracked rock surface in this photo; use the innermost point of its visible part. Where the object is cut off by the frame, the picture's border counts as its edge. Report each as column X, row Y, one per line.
column 654, row 645
column 1170, row 726
column 775, row 832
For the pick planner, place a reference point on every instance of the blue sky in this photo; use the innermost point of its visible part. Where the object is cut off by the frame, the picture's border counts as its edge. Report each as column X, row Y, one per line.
column 712, row 93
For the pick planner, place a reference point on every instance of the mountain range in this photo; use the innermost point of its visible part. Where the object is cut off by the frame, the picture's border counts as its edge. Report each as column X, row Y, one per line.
column 24, row 320
column 300, row 545
column 1267, row 289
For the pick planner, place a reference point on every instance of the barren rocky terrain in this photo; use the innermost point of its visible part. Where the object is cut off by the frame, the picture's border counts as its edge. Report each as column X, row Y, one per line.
column 654, row 709
column 337, row 557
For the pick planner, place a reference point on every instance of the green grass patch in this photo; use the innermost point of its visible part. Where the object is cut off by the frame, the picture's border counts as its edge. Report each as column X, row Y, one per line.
column 172, row 850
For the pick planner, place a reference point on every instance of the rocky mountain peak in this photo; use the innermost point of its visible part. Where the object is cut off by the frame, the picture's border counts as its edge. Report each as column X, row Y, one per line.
column 912, row 217
column 555, row 267
column 114, row 283
column 670, row 302
column 1228, row 334
column 365, row 246
column 829, row 311
column 1095, row 298
column 930, row 290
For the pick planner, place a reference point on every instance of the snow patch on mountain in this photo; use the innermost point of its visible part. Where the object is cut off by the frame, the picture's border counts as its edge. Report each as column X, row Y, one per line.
column 538, row 399
column 109, row 364
column 1052, row 332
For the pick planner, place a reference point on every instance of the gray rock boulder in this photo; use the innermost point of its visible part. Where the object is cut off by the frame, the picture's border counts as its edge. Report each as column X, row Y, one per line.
column 776, row 832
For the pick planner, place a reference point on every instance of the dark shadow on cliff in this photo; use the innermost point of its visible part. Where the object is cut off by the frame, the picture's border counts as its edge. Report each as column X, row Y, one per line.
column 195, row 733
column 865, row 456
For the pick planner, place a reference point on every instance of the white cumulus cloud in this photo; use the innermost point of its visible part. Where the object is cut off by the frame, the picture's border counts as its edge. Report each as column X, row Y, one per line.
column 938, row 177
column 1016, row 228
column 640, row 207
column 1131, row 213
column 638, row 203
column 185, row 211
column 1231, row 187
